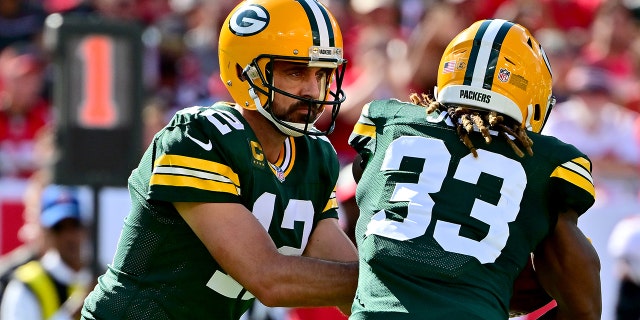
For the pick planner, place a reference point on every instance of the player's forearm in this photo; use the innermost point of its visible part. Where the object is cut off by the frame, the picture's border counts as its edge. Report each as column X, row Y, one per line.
column 568, row 267
column 301, row 281
column 582, row 303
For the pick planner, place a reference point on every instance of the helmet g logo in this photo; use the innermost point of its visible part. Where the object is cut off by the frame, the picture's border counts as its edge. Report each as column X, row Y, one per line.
column 249, row 20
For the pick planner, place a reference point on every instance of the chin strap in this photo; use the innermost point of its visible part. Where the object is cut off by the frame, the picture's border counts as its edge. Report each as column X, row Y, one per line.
column 267, row 114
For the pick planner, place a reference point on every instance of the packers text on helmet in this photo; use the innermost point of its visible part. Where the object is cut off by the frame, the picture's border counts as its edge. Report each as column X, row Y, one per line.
column 497, row 65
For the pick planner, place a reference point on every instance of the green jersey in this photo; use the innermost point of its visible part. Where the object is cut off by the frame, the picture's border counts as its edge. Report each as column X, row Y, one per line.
column 161, row 270
column 442, row 234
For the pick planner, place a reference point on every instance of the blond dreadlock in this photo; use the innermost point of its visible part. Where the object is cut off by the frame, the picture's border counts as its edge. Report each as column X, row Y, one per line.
column 465, row 119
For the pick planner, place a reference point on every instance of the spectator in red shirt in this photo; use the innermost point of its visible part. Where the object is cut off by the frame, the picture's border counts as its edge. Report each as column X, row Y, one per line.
column 24, row 112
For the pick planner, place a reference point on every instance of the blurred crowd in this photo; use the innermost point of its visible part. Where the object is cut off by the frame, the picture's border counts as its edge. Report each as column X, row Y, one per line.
column 393, row 48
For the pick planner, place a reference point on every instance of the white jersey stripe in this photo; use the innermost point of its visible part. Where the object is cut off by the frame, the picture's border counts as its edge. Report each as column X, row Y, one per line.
column 579, row 170
column 191, row 173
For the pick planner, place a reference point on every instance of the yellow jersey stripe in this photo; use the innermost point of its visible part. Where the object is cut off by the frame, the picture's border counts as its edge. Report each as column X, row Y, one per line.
column 194, row 182
column 366, row 130
column 281, row 155
column 198, row 164
column 583, row 162
column 574, row 178
column 291, row 155
column 331, row 204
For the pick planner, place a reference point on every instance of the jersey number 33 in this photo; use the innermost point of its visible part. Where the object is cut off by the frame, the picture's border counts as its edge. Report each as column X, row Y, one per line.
column 434, row 171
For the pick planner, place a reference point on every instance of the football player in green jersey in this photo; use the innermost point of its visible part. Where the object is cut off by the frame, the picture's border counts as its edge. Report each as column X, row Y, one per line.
column 236, row 201
column 458, row 189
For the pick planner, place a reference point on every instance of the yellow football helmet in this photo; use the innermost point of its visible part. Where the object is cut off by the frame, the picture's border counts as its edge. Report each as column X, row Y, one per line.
column 498, row 65
column 258, row 32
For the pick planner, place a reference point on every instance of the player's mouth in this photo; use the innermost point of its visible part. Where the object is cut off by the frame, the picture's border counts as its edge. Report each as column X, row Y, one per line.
column 300, row 114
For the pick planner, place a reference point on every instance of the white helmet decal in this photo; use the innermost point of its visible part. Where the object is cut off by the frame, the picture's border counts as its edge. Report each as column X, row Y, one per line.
column 249, row 20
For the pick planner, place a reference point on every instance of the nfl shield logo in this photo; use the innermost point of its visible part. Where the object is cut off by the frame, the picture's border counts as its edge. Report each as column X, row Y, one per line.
column 504, row 75
column 280, row 174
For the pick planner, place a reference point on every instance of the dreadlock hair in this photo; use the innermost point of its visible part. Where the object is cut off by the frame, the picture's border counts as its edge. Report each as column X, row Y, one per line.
column 465, row 118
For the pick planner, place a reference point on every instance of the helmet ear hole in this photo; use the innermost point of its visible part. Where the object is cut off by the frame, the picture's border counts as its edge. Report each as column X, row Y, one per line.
column 536, row 112
column 239, row 72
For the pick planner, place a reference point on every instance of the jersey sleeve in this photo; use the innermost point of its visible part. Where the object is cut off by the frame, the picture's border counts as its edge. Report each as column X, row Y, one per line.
column 331, row 169
column 190, row 163
column 363, row 137
column 572, row 185
column 330, row 210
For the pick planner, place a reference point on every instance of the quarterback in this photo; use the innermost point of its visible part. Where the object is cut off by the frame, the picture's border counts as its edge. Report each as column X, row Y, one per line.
column 236, row 201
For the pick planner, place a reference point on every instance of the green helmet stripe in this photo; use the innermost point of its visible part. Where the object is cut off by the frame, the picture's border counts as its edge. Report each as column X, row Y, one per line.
column 320, row 23
column 483, row 59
